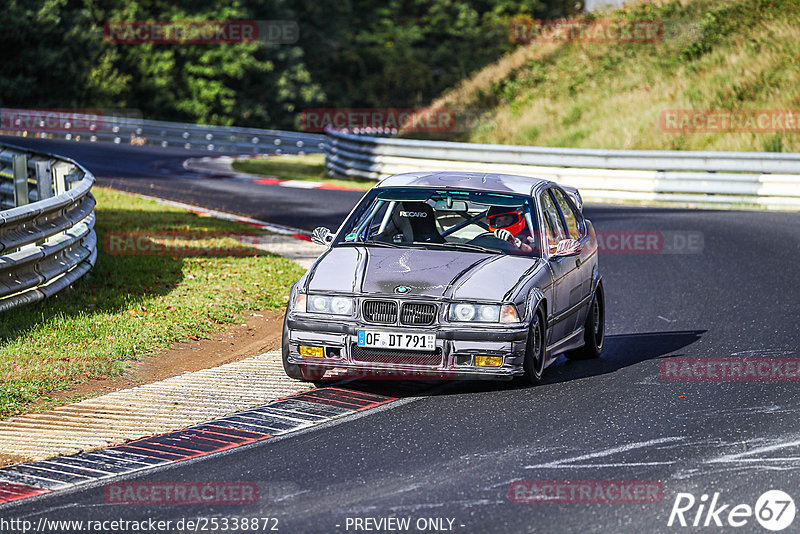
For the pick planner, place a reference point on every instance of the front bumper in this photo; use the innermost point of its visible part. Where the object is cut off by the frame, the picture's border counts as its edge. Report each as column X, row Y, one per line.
column 456, row 348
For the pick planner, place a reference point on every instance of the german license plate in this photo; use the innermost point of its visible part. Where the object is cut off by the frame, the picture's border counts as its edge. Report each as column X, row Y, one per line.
column 381, row 339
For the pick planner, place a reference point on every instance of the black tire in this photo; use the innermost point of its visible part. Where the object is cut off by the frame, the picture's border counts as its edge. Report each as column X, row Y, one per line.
column 313, row 374
column 594, row 333
column 534, row 353
column 295, row 370
column 292, row 370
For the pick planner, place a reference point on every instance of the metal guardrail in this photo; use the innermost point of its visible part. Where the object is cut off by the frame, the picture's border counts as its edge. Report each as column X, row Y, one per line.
column 770, row 180
column 47, row 238
column 136, row 131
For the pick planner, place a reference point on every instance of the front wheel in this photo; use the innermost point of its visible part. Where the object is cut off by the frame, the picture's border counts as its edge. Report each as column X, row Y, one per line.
column 534, row 353
column 594, row 329
column 292, row 370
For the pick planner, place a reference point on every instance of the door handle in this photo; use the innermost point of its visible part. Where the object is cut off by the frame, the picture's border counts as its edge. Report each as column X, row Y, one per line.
column 577, row 262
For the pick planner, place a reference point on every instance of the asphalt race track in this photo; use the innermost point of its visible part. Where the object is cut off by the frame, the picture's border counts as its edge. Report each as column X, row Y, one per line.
column 158, row 172
column 453, row 452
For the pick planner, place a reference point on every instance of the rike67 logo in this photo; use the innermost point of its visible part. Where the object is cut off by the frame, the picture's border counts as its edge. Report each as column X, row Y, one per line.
column 774, row 510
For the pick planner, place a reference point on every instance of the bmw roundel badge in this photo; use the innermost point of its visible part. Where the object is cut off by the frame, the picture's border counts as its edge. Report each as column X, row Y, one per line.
column 402, row 290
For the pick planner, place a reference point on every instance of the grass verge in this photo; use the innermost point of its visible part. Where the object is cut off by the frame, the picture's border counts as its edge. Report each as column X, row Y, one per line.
column 136, row 304
column 310, row 167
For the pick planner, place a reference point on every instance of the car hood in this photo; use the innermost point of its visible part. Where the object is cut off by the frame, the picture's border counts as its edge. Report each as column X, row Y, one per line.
column 430, row 273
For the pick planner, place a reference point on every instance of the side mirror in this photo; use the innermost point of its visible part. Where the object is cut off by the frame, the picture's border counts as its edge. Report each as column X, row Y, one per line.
column 567, row 247
column 321, row 236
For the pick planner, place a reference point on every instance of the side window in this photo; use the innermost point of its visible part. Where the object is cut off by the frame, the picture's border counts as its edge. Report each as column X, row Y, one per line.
column 555, row 229
column 378, row 222
column 378, row 219
column 570, row 216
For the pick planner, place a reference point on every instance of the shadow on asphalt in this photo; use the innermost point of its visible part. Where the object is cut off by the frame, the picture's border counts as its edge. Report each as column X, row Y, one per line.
column 620, row 351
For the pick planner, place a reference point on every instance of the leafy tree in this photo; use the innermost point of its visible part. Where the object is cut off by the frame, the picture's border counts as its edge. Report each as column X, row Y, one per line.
column 351, row 53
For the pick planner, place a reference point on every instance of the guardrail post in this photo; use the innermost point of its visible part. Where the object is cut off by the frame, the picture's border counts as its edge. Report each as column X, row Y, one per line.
column 59, row 178
column 44, row 180
column 19, row 166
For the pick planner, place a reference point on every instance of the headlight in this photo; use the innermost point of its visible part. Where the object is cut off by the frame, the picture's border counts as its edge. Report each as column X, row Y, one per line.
column 462, row 312
column 342, row 306
column 483, row 313
column 490, row 314
column 332, row 305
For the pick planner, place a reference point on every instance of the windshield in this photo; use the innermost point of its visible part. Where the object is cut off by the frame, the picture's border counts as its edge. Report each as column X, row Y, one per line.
column 466, row 220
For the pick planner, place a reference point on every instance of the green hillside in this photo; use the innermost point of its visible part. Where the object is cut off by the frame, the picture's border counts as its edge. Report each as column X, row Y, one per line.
column 726, row 56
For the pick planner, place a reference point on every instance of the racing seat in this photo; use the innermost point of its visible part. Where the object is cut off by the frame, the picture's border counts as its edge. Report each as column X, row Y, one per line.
column 411, row 221
column 419, row 220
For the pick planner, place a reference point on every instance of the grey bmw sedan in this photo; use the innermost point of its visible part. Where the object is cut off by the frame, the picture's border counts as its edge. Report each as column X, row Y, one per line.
column 450, row 275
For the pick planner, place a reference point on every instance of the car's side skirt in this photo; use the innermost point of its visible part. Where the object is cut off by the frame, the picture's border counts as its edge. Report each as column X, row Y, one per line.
column 572, row 341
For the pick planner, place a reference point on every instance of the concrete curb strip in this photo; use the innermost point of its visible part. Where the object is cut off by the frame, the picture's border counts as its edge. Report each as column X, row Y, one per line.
column 282, row 416
column 149, row 409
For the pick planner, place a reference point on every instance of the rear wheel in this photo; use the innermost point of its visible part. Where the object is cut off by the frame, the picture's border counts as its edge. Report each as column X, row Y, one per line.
column 594, row 329
column 534, row 353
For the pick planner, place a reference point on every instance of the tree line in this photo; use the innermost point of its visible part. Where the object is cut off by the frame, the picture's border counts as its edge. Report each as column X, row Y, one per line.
column 348, row 53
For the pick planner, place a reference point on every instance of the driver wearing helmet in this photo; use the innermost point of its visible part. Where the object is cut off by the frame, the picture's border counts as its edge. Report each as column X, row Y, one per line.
column 508, row 223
